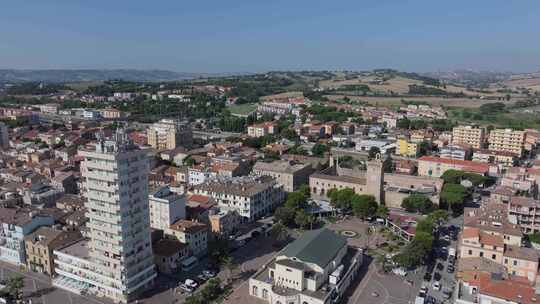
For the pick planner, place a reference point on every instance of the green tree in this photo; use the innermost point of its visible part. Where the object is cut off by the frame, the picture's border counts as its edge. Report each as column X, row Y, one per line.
column 284, row 215
column 305, row 190
column 417, row 203
column 453, row 195
column 302, row 219
column 341, row 199
column 416, row 252
column 318, row 150
column 231, row 266
column 218, row 250
column 14, row 286
column 296, row 201
column 364, row 206
column 382, row 211
column 279, row 232
column 188, row 161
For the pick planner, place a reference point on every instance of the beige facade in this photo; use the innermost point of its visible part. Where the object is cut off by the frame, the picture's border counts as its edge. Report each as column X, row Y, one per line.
column 191, row 233
column 476, row 243
column 261, row 129
column 504, row 158
column 472, row 136
column 225, row 222
column 435, row 166
column 507, row 140
column 40, row 244
column 523, row 211
column 168, row 134
column 289, row 174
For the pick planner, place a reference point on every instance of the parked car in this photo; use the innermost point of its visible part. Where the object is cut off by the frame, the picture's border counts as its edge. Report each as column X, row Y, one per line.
column 437, row 276
column 440, row 266
column 201, row 278
column 191, row 283
column 436, row 285
column 447, row 292
column 427, row 277
column 450, row 268
column 209, row 273
column 423, row 292
column 186, row 288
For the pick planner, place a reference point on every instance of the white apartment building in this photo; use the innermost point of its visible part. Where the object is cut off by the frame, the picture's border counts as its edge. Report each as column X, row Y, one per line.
column 15, row 225
column 117, row 260
column 166, row 207
column 251, row 197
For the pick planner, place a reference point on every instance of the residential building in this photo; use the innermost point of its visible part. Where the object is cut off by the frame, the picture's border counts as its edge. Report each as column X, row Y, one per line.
column 522, row 179
column 384, row 146
column 168, row 134
column 116, row 261
column 191, row 233
column 251, row 197
column 508, row 140
column 166, row 207
column 472, row 136
column 477, row 243
column 168, row 255
column 4, row 136
column 290, row 174
column 522, row 211
column 40, row 244
column 15, row 225
column 111, row 113
column 436, row 166
column 39, row 194
column 317, row 268
column 225, row 222
column 454, row 152
column 262, row 129
column 503, row 158
column 406, row 148
column 51, row 108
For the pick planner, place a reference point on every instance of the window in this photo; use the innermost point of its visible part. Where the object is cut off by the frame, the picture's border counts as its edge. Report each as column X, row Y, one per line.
column 470, row 252
column 254, row 291
column 265, row 294
column 481, row 254
column 493, row 256
column 515, row 262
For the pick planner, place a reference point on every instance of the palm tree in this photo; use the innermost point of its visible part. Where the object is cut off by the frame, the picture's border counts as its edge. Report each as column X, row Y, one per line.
column 230, row 265
column 280, row 232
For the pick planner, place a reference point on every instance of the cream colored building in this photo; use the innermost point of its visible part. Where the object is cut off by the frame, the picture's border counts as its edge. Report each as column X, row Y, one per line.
column 168, row 134
column 262, row 129
column 117, row 261
column 317, row 268
column 290, row 174
column 507, row 140
column 191, row 233
column 472, row 136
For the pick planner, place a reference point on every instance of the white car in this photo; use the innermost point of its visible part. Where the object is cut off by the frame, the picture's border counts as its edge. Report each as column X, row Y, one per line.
column 191, row 283
column 436, row 285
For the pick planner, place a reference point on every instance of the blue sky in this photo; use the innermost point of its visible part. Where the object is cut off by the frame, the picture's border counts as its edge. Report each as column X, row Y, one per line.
column 260, row 35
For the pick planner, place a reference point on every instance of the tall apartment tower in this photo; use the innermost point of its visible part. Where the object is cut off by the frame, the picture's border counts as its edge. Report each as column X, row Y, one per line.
column 115, row 180
column 168, row 134
column 375, row 178
column 4, row 136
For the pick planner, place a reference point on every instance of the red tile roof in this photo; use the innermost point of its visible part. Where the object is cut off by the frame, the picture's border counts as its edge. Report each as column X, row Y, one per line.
column 466, row 164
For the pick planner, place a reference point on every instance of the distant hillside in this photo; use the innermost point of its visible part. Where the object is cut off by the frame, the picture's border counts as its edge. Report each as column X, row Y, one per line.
column 10, row 75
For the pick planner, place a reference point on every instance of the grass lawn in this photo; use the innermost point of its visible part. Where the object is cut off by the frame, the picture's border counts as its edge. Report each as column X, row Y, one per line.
column 500, row 120
column 242, row 109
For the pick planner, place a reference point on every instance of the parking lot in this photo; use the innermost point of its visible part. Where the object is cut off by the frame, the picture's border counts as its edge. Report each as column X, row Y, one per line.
column 38, row 288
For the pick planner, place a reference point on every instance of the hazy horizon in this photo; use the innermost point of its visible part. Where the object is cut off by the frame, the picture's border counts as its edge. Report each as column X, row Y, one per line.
column 249, row 37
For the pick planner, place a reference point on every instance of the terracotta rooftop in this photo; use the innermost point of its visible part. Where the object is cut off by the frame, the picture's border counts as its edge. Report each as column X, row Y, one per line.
column 188, row 226
column 466, row 164
column 166, row 247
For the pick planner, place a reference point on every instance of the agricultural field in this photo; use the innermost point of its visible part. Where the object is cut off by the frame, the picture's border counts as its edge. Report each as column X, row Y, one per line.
column 435, row 101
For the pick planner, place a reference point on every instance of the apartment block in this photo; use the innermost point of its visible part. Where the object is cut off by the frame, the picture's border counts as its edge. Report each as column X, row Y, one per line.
column 406, row 148
column 40, row 245
column 262, row 129
column 191, row 233
column 168, row 134
column 290, row 174
column 503, row 158
column 508, row 140
column 15, row 225
column 472, row 136
column 523, row 211
column 116, row 261
column 166, row 207
column 251, row 197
